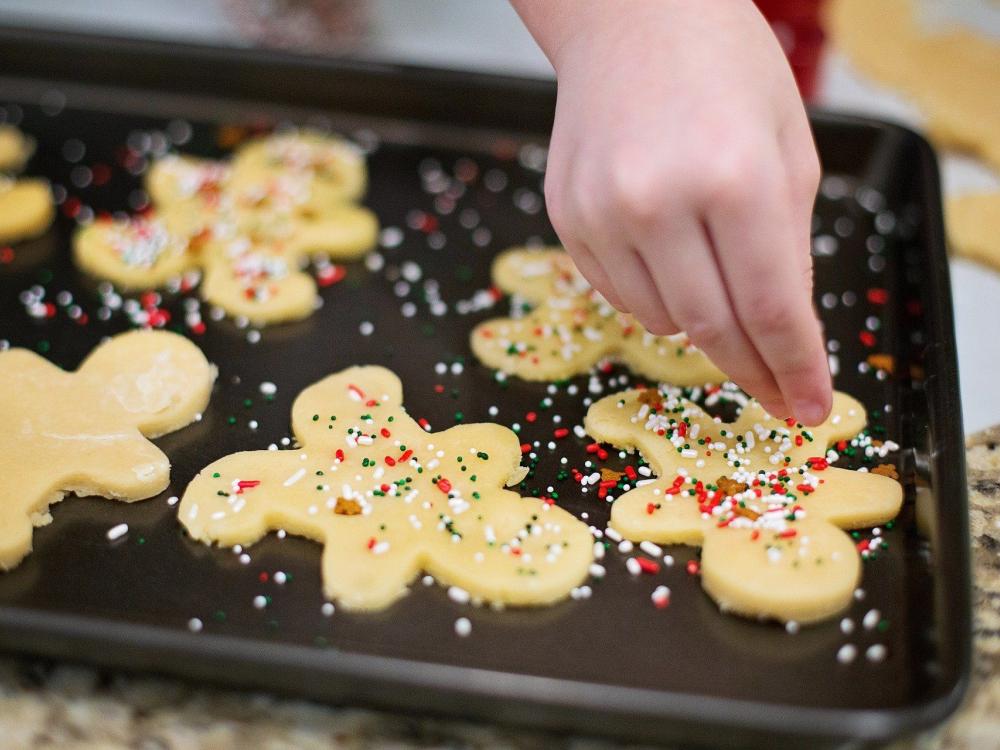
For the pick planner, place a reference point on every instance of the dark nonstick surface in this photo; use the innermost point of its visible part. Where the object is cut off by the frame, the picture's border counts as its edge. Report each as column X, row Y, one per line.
column 78, row 594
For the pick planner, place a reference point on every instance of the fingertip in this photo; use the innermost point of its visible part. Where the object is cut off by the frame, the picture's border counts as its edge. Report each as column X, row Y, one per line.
column 812, row 412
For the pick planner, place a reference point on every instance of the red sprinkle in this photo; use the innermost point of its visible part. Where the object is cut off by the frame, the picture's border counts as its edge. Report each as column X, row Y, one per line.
column 878, row 296
column 561, row 432
column 444, row 485
column 648, row 566
column 525, row 447
column 530, row 416
column 693, row 567
column 867, row 338
column 330, row 275
column 788, row 533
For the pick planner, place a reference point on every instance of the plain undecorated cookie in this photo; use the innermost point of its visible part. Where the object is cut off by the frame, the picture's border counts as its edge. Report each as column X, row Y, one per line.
column 571, row 328
column 26, row 209
column 15, row 149
column 756, row 561
column 388, row 500
column 973, row 222
column 85, row 432
column 950, row 74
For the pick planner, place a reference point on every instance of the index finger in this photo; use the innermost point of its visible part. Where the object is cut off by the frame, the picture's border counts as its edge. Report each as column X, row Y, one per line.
column 753, row 235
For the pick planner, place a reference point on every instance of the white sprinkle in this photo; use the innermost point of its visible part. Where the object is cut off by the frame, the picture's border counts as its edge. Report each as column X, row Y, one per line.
column 846, row 653
column 295, row 477
column 612, row 534
column 367, row 328
column 259, row 601
column 598, row 551
column 173, row 500
column 660, row 595
column 427, row 580
column 650, row 549
column 195, row 625
column 876, row 653
column 625, row 546
column 633, row 566
column 791, row 627
column 459, row 595
column 847, row 626
column 871, row 619
column 117, row 532
column 463, row 627
column 668, row 560
column 280, row 577
column 327, row 609
column 597, row 571
column 381, row 548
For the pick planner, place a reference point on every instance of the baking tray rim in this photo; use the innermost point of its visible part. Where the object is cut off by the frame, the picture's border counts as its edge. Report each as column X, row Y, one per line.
column 598, row 699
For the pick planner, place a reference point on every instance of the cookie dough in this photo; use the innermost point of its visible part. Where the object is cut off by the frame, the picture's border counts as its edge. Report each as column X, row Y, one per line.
column 85, row 432
column 387, row 500
column 973, row 222
column 15, row 149
column 571, row 328
column 757, row 495
column 950, row 74
column 250, row 225
column 139, row 252
column 26, row 209
column 333, row 166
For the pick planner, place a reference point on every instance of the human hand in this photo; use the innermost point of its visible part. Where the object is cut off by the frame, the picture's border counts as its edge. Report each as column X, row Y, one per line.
column 681, row 178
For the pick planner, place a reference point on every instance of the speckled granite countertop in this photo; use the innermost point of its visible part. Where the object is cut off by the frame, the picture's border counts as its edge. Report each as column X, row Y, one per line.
column 75, row 707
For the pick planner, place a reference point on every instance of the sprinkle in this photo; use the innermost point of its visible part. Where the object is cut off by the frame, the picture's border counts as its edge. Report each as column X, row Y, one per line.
column 195, row 625
column 295, row 477
column 117, row 532
column 633, row 566
column 650, row 549
column 459, row 595
column 259, row 601
column 876, row 653
column 871, row 619
column 847, row 653
column 463, row 627
column 280, row 577
column 327, row 609
column 660, row 597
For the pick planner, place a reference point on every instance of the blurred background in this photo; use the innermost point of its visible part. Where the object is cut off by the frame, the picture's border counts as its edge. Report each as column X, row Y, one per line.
column 486, row 35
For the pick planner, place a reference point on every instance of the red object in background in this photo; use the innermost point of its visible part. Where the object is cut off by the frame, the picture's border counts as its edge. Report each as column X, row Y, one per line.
column 797, row 25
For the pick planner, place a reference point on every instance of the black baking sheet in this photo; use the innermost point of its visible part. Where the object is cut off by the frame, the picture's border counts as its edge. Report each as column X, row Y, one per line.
column 612, row 663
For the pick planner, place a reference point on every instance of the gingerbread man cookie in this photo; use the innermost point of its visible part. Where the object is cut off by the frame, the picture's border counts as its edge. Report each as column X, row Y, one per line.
column 387, row 500
column 85, row 432
column 251, row 226
column 25, row 204
column 758, row 495
column 572, row 327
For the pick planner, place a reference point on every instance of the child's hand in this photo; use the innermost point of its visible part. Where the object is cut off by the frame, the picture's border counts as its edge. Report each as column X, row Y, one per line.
column 681, row 178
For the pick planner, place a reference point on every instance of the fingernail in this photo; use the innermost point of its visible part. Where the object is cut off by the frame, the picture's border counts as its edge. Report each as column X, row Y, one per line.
column 809, row 413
